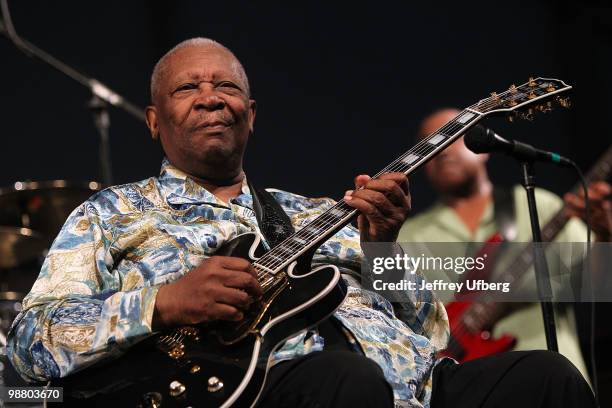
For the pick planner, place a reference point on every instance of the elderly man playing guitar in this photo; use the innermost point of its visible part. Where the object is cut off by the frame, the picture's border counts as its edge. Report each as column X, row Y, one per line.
column 155, row 265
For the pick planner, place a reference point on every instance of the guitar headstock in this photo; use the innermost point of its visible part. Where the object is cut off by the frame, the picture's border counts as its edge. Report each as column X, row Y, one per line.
column 535, row 95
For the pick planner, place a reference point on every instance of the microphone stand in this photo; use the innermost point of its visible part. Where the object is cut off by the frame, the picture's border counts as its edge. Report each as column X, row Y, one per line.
column 541, row 267
column 102, row 96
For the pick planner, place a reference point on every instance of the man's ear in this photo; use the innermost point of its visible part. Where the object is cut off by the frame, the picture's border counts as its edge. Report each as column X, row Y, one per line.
column 151, row 119
column 252, row 112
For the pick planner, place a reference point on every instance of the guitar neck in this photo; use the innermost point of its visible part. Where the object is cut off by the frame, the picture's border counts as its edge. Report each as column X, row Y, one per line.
column 600, row 171
column 524, row 260
column 335, row 218
column 536, row 93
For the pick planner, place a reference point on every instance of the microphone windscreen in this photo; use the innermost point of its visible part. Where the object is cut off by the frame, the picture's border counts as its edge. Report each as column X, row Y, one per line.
column 478, row 140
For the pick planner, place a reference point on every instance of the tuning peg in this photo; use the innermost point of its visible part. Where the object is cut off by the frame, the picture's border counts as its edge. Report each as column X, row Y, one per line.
column 531, row 95
column 529, row 115
column 511, row 117
column 494, row 99
column 532, row 82
column 543, row 108
column 550, row 87
column 512, row 88
column 564, row 102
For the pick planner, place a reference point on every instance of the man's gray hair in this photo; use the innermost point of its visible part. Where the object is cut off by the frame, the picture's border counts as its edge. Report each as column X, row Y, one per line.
column 160, row 68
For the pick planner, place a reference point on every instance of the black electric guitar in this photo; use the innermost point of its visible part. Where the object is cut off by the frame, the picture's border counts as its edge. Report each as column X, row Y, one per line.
column 226, row 363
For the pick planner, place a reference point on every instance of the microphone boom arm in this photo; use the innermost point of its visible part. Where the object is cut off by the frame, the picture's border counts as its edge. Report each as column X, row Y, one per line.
column 96, row 87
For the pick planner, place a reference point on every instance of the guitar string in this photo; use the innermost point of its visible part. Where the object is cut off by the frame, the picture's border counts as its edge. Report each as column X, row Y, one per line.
column 325, row 221
column 462, row 327
column 482, row 105
column 450, row 127
column 323, row 217
column 447, row 130
column 548, row 232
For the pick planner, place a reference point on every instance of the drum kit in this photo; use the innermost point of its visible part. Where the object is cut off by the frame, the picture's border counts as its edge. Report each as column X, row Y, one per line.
column 31, row 215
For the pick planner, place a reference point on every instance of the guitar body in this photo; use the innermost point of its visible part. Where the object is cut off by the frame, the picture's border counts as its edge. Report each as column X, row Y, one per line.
column 465, row 345
column 218, row 365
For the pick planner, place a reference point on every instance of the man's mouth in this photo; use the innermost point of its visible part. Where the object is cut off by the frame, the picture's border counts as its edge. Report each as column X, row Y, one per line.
column 213, row 125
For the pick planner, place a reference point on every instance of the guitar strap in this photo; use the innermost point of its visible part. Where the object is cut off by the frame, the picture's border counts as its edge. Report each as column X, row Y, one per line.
column 273, row 221
column 275, row 225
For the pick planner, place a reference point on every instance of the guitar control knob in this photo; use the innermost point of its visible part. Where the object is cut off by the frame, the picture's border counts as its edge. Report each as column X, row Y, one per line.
column 214, row 384
column 150, row 400
column 177, row 389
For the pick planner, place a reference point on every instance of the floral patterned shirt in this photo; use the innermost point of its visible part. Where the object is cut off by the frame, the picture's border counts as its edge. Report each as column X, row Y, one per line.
column 95, row 294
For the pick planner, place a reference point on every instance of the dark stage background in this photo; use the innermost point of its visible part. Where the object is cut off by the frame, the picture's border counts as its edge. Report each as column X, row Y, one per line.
column 340, row 88
column 340, row 91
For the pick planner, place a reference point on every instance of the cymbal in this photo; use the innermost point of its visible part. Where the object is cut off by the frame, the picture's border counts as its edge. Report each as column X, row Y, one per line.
column 43, row 206
column 20, row 246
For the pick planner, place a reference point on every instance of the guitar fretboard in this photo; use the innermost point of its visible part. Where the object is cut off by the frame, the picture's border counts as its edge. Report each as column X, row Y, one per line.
column 531, row 93
column 336, row 217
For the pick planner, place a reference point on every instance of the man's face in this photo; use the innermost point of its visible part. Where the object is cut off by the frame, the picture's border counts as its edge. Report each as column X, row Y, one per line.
column 455, row 168
column 202, row 112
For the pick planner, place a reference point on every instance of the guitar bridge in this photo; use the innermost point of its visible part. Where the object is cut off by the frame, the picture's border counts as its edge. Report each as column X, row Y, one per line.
column 173, row 344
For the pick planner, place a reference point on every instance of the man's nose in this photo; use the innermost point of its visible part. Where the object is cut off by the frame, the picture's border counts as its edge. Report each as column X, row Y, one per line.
column 209, row 100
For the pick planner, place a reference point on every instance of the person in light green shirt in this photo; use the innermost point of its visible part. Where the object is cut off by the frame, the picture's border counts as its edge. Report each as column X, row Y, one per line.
column 465, row 213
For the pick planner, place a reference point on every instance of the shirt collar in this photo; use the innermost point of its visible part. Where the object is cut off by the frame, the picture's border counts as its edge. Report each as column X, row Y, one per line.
column 178, row 188
column 447, row 218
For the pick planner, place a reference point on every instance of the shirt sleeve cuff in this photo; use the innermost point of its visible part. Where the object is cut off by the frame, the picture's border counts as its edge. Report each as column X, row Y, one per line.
column 128, row 316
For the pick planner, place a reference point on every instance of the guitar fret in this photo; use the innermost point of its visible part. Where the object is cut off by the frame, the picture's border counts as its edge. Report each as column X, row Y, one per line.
column 333, row 219
column 411, row 158
column 271, row 255
column 465, row 117
column 425, row 149
column 282, row 250
column 299, row 240
column 337, row 213
column 436, row 139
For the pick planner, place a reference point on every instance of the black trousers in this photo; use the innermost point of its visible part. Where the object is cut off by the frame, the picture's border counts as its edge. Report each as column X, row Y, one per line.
column 340, row 378
column 526, row 379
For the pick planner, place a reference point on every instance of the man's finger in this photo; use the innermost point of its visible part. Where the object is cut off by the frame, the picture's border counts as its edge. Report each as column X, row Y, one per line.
column 603, row 188
column 376, row 203
column 243, row 281
column 365, row 207
column 400, row 178
column 361, row 180
column 222, row 311
column 233, row 297
column 390, row 189
column 237, row 264
column 574, row 201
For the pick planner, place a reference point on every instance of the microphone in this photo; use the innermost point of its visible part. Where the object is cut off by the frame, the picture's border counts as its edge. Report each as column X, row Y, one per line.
column 481, row 139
